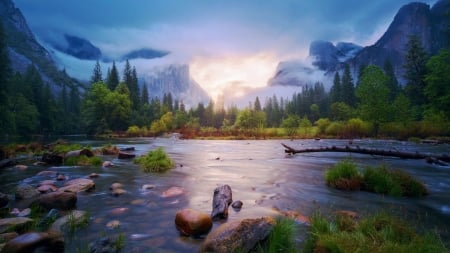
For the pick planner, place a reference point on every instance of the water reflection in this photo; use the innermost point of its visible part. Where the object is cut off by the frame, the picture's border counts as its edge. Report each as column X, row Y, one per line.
column 260, row 175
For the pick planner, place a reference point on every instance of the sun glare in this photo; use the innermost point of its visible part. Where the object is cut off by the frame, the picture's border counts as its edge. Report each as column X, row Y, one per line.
column 215, row 75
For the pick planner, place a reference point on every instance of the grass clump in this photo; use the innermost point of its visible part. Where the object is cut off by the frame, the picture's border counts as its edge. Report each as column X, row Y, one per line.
column 64, row 148
column 83, row 160
column 344, row 175
column 75, row 222
column 155, row 161
column 377, row 233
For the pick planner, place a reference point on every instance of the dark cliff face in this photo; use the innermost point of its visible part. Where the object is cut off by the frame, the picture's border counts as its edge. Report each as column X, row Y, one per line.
column 325, row 54
column 25, row 50
column 80, row 48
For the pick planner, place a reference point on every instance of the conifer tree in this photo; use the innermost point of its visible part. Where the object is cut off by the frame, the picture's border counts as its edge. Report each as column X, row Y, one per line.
column 415, row 70
column 112, row 79
column 97, row 74
column 144, row 98
column 348, row 88
column 392, row 80
column 257, row 105
column 335, row 91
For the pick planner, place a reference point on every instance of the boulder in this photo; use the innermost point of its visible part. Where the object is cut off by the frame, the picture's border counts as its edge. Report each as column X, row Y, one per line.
column 117, row 192
column 115, row 186
column 3, row 200
column 5, row 237
column 17, row 222
column 113, row 224
column 52, row 159
column 51, row 242
column 172, row 192
column 78, row 185
column 26, row 191
column 24, row 213
column 61, row 177
column 49, row 218
column 238, row 236
column 58, row 200
column 221, row 200
column 93, row 175
column 46, row 188
column 192, row 222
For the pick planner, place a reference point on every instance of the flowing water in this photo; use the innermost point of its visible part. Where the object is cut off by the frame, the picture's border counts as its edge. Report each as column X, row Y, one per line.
column 260, row 174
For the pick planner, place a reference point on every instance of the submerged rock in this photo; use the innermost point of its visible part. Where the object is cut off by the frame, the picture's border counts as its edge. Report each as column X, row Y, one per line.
column 26, row 191
column 51, row 242
column 107, row 164
column 192, row 222
column 78, row 185
column 173, row 192
column 238, row 236
column 58, row 200
column 17, row 222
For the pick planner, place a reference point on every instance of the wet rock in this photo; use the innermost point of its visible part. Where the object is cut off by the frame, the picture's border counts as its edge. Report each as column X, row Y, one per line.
column 26, row 191
column 51, row 242
column 39, row 163
column 237, row 204
column 58, row 200
column 298, row 217
column 5, row 237
column 119, row 210
column 47, row 182
column 61, row 177
column 192, row 222
column 47, row 188
column 173, row 192
column 118, row 192
column 107, row 164
column 46, row 173
column 148, row 186
column 74, row 216
column 116, row 186
column 238, row 236
column 4, row 200
column 24, row 213
column 113, row 224
column 78, row 185
column 102, row 245
column 53, row 159
column 17, row 222
column 221, row 200
column 125, row 155
column 137, row 202
column 21, row 167
column 93, row 175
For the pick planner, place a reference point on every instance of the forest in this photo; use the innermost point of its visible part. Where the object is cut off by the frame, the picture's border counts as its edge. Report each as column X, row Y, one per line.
column 373, row 104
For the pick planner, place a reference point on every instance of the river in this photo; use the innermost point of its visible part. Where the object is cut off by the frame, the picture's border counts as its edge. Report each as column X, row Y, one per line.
column 260, row 174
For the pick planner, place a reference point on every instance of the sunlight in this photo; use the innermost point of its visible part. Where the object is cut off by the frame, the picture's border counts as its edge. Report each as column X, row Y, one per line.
column 217, row 74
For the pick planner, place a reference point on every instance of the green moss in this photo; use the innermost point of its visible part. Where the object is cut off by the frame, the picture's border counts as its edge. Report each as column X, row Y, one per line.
column 381, row 232
column 83, row 160
column 155, row 161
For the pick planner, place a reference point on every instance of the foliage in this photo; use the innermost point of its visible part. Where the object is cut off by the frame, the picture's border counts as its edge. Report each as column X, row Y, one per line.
column 392, row 182
column 155, row 161
column 344, row 175
column 415, row 70
column 291, row 124
column 380, row 232
column 281, row 238
column 340, row 111
column 437, row 79
column 356, row 127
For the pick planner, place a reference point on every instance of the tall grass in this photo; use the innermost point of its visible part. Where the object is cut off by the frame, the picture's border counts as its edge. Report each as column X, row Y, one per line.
column 344, row 175
column 281, row 238
column 155, row 161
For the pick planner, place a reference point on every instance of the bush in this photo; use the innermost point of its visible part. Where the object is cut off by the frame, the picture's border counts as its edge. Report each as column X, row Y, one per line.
column 344, row 175
column 376, row 233
column 334, row 129
column 155, row 161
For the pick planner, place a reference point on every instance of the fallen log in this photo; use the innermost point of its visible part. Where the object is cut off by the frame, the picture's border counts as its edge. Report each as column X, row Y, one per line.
column 221, row 200
column 370, row 151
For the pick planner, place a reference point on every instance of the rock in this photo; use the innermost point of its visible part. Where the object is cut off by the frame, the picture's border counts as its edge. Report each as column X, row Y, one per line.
column 125, row 155
column 238, row 236
column 192, row 222
column 47, row 173
column 74, row 216
column 47, row 188
column 61, row 177
column 4, row 200
column 47, row 182
column 148, row 186
column 221, row 200
column 59, row 200
column 127, row 149
column 119, row 210
column 173, row 192
column 26, row 191
column 113, row 224
column 102, row 245
column 117, row 192
column 16, row 222
column 39, row 163
column 85, row 151
column 237, row 204
column 49, row 218
column 53, row 159
column 115, row 186
column 5, row 237
column 51, row 242
column 107, row 164
column 78, row 185
column 7, row 163
column 93, row 175
column 21, row 167
column 24, row 213
column 298, row 217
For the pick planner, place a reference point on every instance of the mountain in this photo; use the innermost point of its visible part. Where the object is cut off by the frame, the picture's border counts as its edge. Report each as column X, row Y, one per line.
column 79, row 48
column 430, row 24
column 24, row 49
column 177, row 80
column 145, row 53
column 294, row 73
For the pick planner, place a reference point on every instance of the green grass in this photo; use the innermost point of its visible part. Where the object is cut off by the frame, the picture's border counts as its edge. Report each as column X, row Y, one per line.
column 74, row 223
column 64, row 148
column 379, row 233
column 382, row 180
column 83, row 160
column 155, row 161
column 344, row 175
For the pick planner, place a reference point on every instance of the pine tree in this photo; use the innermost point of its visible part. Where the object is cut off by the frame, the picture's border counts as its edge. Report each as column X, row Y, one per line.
column 392, row 80
column 112, row 79
column 97, row 74
column 348, row 88
column 144, row 98
column 257, row 105
column 415, row 71
column 335, row 91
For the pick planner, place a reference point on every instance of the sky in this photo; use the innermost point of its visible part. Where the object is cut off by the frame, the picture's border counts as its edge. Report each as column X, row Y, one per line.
column 224, row 41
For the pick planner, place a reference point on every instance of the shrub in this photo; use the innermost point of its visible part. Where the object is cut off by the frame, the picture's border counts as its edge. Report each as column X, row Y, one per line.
column 155, row 161
column 375, row 233
column 334, row 129
column 344, row 175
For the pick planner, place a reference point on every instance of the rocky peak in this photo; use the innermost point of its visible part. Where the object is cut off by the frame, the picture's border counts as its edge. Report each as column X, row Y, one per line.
column 324, row 54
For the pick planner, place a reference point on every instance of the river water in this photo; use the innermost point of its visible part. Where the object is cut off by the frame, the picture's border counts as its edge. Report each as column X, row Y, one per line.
column 260, row 174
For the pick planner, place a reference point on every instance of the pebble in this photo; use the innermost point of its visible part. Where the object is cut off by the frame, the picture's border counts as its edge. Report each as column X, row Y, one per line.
column 113, row 224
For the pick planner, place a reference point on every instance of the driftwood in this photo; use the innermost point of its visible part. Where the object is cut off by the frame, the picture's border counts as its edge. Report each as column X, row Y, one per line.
column 431, row 158
column 221, row 200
